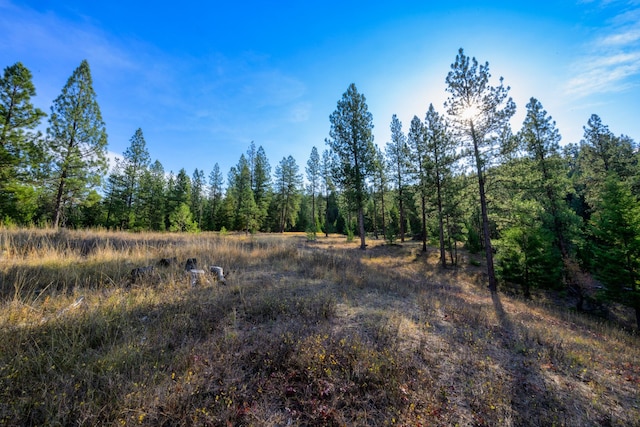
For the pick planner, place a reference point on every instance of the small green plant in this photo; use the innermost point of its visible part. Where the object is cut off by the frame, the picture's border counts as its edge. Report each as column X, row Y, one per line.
column 350, row 235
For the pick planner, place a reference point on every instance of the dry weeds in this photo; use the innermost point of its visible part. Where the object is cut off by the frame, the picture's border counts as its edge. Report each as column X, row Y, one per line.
column 304, row 333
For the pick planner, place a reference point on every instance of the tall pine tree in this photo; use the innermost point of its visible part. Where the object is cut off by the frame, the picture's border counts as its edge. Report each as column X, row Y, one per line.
column 479, row 111
column 77, row 141
column 352, row 142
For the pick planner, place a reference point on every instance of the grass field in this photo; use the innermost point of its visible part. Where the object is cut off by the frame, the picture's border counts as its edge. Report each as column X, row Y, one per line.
column 303, row 333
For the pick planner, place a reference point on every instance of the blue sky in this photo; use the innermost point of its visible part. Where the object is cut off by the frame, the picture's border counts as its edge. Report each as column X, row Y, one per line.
column 204, row 79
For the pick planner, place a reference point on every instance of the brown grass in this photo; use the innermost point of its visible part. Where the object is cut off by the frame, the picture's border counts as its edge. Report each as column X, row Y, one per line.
column 304, row 333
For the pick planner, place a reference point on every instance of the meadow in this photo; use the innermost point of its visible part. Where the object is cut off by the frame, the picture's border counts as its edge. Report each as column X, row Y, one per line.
column 303, row 333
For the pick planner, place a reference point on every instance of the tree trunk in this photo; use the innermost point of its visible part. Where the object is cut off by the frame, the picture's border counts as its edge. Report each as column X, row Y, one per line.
column 58, row 209
column 424, row 220
column 493, row 283
column 326, row 218
column 361, row 228
column 443, row 257
column 384, row 226
column 402, row 220
column 375, row 214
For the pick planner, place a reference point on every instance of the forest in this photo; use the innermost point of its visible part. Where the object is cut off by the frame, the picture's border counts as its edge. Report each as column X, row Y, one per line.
column 545, row 215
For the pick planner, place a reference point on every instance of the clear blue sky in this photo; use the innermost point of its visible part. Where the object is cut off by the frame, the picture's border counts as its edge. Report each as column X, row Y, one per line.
column 204, row 79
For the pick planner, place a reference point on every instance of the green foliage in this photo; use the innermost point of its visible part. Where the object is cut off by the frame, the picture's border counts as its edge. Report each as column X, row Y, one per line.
column 20, row 149
column 615, row 227
column 77, row 141
column 181, row 220
column 525, row 251
column 352, row 143
column 287, row 193
column 479, row 113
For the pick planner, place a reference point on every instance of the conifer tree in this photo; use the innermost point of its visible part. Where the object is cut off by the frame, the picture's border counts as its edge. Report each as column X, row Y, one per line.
column 352, row 142
column 313, row 177
column 440, row 155
column 153, row 198
column 136, row 161
column 20, row 150
column 416, row 141
column 77, row 141
column 261, row 178
column 288, row 182
column 479, row 111
column 398, row 155
column 327, row 184
column 216, row 181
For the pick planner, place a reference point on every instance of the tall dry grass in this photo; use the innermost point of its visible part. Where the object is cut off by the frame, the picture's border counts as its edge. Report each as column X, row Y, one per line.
column 304, row 333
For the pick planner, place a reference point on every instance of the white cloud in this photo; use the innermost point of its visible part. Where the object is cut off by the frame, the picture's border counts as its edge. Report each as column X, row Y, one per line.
column 611, row 62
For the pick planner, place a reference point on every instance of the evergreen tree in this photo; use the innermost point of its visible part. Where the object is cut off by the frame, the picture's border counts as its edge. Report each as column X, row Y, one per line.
column 115, row 199
column 440, row 155
column 602, row 153
column 19, row 148
column 197, row 196
column 398, row 155
column 417, row 144
column 352, row 142
column 178, row 193
column 241, row 193
column 288, row 182
column 549, row 182
column 261, row 178
column 136, row 161
column 478, row 112
column 615, row 227
column 153, row 198
column 216, row 181
column 327, row 184
column 313, row 170
column 77, row 141
column 379, row 189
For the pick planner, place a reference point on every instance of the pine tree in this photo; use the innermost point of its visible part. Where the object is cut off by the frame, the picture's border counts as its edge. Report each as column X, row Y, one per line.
column 352, row 142
column 136, row 161
column 380, row 188
column 241, row 192
column 77, row 141
column 19, row 148
column 398, row 155
column 288, row 182
column 115, row 196
column 327, row 184
column 261, row 178
column 153, row 198
column 216, row 181
column 313, row 177
column 197, row 196
column 615, row 227
column 549, row 182
column 417, row 144
column 478, row 112
column 440, row 155
column 602, row 153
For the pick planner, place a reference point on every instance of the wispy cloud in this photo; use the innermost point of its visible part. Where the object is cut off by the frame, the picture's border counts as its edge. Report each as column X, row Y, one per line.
column 612, row 60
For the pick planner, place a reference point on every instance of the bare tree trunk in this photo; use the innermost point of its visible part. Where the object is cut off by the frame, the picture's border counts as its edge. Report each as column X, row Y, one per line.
column 424, row 221
column 493, row 283
column 443, row 257
column 361, row 227
column 402, row 220
column 58, row 208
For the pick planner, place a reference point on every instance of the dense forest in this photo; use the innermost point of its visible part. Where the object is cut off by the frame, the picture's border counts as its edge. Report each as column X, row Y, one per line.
column 545, row 215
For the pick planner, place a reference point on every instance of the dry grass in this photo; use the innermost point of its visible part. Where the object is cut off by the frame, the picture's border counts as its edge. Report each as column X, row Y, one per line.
column 304, row 333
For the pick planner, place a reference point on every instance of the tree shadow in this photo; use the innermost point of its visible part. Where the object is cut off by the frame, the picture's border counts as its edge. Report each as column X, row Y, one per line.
column 529, row 387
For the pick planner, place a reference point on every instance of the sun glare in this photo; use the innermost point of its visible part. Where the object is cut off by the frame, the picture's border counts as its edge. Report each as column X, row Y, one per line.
column 470, row 112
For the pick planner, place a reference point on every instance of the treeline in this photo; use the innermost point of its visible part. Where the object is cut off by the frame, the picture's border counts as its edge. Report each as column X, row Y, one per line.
column 545, row 215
